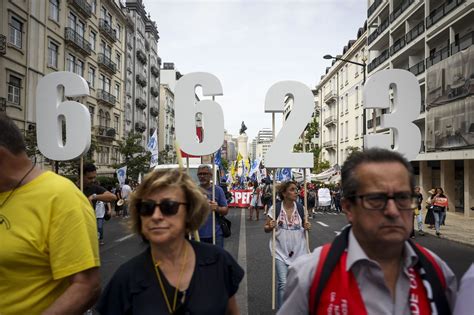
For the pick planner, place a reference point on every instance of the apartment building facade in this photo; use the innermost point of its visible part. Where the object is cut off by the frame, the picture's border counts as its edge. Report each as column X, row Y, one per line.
column 142, row 73
column 84, row 37
column 166, row 136
column 339, row 95
column 433, row 39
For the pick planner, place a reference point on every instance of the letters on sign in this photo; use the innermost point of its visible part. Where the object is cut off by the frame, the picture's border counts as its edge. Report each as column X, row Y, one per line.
column 52, row 111
column 405, row 108
column 241, row 198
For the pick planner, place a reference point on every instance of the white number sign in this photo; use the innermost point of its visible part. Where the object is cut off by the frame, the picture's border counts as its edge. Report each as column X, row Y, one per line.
column 186, row 109
column 405, row 109
column 51, row 111
column 280, row 154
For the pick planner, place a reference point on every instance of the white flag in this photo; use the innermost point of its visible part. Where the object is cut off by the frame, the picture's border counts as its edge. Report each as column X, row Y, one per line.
column 153, row 148
column 122, row 175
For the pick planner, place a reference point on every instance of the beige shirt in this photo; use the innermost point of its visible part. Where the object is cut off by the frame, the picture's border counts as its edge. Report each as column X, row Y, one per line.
column 369, row 276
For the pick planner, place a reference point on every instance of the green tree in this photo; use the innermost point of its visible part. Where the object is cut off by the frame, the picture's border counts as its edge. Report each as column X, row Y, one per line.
column 136, row 157
column 225, row 164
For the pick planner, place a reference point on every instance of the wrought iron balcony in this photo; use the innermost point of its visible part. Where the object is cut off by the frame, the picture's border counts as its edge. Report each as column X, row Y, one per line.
column 373, row 7
column 107, row 64
column 106, row 98
column 155, row 71
column 154, row 111
column 415, row 32
column 141, row 56
column 141, row 80
column 154, row 91
column 140, row 103
column 382, row 27
column 82, row 7
column 418, row 68
column 463, row 43
column 400, row 9
column 329, row 96
column 442, row 54
column 441, row 11
column 106, row 29
column 77, row 41
column 140, row 126
column 172, row 129
column 377, row 61
column 330, row 120
column 399, row 44
column 3, row 44
column 106, row 133
column 329, row 144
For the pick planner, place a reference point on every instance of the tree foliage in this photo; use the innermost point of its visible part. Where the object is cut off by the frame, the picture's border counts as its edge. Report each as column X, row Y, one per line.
column 136, row 157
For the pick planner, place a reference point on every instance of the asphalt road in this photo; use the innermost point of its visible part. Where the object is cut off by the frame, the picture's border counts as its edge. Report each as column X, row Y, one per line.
column 254, row 254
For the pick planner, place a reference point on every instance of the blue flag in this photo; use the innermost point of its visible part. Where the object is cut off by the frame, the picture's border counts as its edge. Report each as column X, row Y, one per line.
column 218, row 158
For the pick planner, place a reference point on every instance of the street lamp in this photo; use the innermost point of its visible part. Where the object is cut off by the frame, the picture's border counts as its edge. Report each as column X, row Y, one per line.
column 363, row 65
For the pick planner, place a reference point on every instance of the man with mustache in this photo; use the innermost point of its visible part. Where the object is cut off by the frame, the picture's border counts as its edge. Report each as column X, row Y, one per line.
column 372, row 267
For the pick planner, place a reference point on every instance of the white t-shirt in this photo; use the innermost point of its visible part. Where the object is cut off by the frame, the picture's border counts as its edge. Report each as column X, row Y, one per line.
column 290, row 236
column 99, row 209
column 126, row 190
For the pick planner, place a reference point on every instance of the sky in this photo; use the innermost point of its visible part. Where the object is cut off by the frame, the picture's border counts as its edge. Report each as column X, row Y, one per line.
column 252, row 44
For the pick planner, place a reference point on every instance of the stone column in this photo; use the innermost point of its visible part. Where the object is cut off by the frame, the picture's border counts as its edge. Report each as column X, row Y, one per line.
column 447, row 181
column 468, row 188
column 242, row 143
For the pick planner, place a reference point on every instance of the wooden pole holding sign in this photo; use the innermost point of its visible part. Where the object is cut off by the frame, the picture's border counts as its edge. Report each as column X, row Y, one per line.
column 305, row 200
column 81, row 175
column 213, row 198
column 274, row 218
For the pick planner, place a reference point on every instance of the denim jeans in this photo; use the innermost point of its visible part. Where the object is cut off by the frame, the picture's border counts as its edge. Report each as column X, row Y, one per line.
column 281, row 271
column 438, row 219
column 419, row 220
column 100, row 228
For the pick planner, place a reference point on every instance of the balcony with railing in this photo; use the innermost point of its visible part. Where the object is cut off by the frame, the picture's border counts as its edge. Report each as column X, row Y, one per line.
column 141, row 80
column 141, row 56
column 154, row 111
column 417, row 69
column 382, row 27
column 106, row 98
column 400, row 9
column 140, row 126
column 106, row 133
column 172, row 129
column 107, row 64
column 330, row 120
column 378, row 61
column 140, row 103
column 3, row 44
column 440, row 12
column 373, row 7
column 154, row 71
column 441, row 54
column 77, row 41
column 463, row 43
column 415, row 31
column 397, row 45
column 331, row 144
column 330, row 96
column 106, row 29
column 154, row 91
column 82, row 7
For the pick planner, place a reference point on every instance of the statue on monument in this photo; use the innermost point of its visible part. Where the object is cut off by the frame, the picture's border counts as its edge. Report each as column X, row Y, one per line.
column 243, row 128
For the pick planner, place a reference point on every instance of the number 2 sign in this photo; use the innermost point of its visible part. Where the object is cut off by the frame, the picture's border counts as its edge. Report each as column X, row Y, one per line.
column 51, row 110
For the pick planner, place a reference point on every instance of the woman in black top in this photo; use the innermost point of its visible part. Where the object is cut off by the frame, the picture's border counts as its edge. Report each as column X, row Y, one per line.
column 173, row 275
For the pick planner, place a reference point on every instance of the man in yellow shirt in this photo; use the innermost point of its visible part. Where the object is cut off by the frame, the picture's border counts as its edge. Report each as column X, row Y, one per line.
column 49, row 255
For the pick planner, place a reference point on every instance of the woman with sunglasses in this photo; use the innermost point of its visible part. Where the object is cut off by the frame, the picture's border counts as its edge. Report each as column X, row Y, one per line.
column 173, row 275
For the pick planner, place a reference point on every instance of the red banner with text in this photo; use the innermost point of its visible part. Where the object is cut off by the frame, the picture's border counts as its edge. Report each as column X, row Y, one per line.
column 241, row 198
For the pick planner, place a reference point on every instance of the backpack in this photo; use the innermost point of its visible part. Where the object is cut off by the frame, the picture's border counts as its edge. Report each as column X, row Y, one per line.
column 299, row 208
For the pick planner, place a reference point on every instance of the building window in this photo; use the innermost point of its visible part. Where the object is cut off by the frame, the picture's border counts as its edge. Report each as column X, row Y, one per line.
column 357, row 126
column 53, row 50
column 16, row 27
column 107, row 119
column 70, row 61
column 91, row 77
column 116, row 123
column 119, row 32
column 356, row 96
column 14, row 86
column 117, row 92
column 91, row 112
column 342, row 131
column 118, row 61
column 347, row 130
column 101, row 118
column 92, row 38
column 54, row 10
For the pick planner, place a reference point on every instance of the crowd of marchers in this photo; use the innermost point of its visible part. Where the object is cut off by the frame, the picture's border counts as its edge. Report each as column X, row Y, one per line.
column 50, row 232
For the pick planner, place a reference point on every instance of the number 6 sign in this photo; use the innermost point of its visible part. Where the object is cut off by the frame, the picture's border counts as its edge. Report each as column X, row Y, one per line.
column 51, row 111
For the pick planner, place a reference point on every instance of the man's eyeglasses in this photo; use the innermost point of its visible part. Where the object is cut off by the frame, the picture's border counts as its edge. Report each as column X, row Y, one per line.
column 168, row 207
column 204, row 174
column 378, row 201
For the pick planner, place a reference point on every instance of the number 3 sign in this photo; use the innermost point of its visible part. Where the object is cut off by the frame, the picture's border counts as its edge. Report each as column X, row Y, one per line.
column 51, row 110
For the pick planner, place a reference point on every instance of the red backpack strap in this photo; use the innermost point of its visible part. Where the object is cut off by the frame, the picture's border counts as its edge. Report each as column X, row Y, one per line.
column 317, row 276
column 434, row 263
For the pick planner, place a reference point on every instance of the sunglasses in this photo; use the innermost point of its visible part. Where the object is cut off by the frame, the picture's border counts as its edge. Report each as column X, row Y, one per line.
column 168, row 207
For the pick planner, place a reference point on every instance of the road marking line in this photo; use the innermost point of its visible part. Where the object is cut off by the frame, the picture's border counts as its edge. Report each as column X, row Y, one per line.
column 242, row 297
column 321, row 223
column 124, row 238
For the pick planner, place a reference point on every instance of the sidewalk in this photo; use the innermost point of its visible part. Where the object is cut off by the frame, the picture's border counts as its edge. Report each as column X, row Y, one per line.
column 458, row 228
